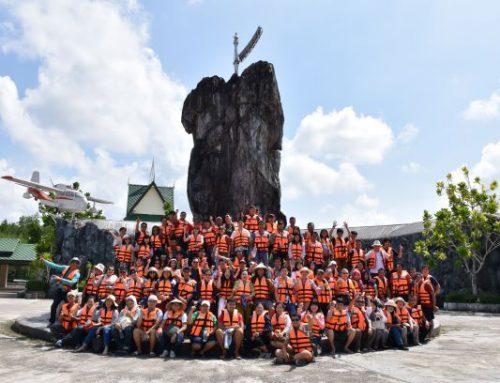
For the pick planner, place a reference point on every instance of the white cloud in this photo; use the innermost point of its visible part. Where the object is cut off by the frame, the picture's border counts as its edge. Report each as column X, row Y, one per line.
column 412, row 167
column 489, row 165
column 408, row 133
column 102, row 95
column 484, row 109
column 343, row 135
column 365, row 211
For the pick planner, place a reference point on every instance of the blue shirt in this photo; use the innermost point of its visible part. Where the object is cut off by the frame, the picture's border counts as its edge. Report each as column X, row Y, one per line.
column 60, row 268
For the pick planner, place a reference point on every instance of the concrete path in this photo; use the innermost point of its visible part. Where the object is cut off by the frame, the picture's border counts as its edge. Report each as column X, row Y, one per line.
column 466, row 351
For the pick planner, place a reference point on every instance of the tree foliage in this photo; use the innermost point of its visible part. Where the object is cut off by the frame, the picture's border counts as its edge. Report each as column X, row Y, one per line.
column 468, row 230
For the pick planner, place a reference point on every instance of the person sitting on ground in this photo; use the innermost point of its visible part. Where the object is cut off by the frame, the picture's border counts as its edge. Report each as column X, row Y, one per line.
column 258, row 331
column 68, row 312
column 315, row 320
column 394, row 325
column 174, row 326
column 281, row 323
column 408, row 325
column 84, row 315
column 378, row 320
column 124, row 328
column 106, row 318
column 148, row 326
column 338, row 324
column 298, row 349
column 362, row 325
column 418, row 316
column 203, row 324
column 230, row 329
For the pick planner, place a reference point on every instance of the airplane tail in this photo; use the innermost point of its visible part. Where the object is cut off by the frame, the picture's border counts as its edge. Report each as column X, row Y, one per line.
column 35, row 177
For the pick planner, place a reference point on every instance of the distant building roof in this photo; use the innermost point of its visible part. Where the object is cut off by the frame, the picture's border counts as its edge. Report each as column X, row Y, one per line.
column 388, row 231
column 12, row 251
column 148, row 210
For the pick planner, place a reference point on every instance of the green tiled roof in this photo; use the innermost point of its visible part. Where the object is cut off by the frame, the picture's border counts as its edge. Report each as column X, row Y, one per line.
column 136, row 192
column 12, row 251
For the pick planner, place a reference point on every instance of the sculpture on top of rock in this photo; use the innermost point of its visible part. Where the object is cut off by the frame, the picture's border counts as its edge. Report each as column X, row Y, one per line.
column 237, row 129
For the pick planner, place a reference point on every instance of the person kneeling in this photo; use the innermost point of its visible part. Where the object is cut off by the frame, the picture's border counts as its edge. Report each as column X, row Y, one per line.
column 148, row 326
column 174, row 325
column 203, row 324
column 230, row 329
column 298, row 347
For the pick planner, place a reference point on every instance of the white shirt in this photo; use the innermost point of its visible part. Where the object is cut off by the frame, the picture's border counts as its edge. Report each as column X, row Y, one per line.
column 379, row 261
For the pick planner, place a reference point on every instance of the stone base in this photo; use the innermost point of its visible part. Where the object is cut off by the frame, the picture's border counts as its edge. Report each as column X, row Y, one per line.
column 473, row 307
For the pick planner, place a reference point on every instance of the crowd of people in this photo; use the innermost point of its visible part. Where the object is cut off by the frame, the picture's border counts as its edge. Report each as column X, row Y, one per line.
column 256, row 285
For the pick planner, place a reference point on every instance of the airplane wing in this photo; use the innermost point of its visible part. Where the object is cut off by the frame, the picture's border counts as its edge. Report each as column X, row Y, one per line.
column 97, row 200
column 31, row 184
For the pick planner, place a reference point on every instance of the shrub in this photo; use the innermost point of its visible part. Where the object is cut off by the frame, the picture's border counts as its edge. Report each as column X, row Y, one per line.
column 36, row 285
column 466, row 296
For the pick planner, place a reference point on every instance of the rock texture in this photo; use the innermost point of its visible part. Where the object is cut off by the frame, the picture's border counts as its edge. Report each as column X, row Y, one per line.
column 237, row 129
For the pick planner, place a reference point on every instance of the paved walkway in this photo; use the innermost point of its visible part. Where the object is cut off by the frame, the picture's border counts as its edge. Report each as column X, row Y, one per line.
column 466, row 351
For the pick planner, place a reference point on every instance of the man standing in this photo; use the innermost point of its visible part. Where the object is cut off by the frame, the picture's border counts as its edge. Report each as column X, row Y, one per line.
column 262, row 241
column 65, row 282
column 375, row 258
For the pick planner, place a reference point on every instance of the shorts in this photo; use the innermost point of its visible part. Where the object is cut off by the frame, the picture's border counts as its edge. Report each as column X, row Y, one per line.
column 428, row 313
column 199, row 339
column 341, row 335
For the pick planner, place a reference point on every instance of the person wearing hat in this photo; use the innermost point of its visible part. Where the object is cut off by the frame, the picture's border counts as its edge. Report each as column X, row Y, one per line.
column 375, row 258
column 66, row 314
column 124, row 328
column 174, row 325
column 340, row 250
column 107, row 282
column 338, row 324
column 124, row 253
column 106, row 318
column 93, row 282
column 259, row 331
column 375, row 312
column 230, row 329
column 148, row 326
column 305, row 289
column 150, row 283
column 203, row 325
column 66, row 280
column 394, row 325
column 262, row 286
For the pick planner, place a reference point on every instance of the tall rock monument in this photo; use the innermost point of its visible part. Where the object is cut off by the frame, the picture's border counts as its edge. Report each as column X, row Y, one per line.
column 237, row 129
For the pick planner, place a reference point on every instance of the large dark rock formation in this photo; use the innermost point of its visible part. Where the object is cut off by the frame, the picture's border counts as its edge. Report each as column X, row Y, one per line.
column 237, row 128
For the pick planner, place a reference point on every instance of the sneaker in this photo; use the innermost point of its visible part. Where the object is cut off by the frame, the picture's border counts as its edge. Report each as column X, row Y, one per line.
column 135, row 353
column 152, row 354
column 164, row 354
column 267, row 355
column 300, row 363
column 172, row 353
column 58, row 343
column 277, row 361
column 403, row 348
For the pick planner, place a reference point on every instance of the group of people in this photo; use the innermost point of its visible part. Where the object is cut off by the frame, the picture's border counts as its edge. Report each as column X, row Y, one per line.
column 252, row 285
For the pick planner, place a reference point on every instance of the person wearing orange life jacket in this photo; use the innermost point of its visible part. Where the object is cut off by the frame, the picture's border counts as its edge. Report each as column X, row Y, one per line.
column 369, row 285
column 262, row 286
column 165, row 287
column 203, row 325
column 305, row 289
column 261, row 240
column 434, row 281
column 290, row 229
column 156, row 244
column 174, row 326
column 383, row 291
column 327, row 245
column 106, row 318
column 107, row 282
column 143, row 250
column 194, row 243
column 280, row 242
column 150, row 283
column 281, row 324
column 134, row 285
column 357, row 255
column 119, row 289
column 141, row 231
column 284, row 291
column 324, row 292
column 314, row 251
column 375, row 258
column 66, row 281
column 208, row 240
column 345, row 287
column 409, row 327
column 394, row 325
column 298, row 349
column 124, row 253
column 400, row 282
column 127, row 319
column 186, row 288
column 309, row 233
column 244, row 294
column 375, row 312
column 296, row 250
column 338, row 324
column 148, row 326
column 340, row 251
column 225, row 284
column 270, row 220
column 416, row 313
column 84, row 316
column 252, row 219
column 389, row 254
column 240, row 239
column 93, row 281
column 314, row 319
column 362, row 325
column 67, row 313
column 118, row 238
column 427, row 300
column 222, row 245
column 230, row 329
column 259, row 330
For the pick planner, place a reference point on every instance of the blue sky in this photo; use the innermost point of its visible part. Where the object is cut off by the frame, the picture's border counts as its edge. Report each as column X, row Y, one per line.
column 415, row 82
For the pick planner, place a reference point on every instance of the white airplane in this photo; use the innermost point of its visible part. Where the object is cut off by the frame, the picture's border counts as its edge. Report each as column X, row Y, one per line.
column 62, row 197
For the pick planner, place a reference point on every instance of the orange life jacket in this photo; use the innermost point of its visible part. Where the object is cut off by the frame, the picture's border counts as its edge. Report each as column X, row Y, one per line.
column 340, row 249
column 174, row 318
column 67, row 274
column 315, row 328
column 296, row 251
column 252, row 223
column 424, row 296
column 222, row 244
column 314, row 253
column 208, row 237
column 241, row 240
column 345, row 287
column 228, row 319
column 226, row 288
column 416, row 313
column 358, row 318
column 185, row 288
column 261, row 288
column 119, row 290
column 284, row 289
column 382, row 286
column 339, row 320
column 269, row 227
column 206, row 289
column 372, row 260
column 106, row 316
column 91, row 288
column 243, row 288
column 278, row 322
column 304, row 291
column 325, row 295
column 67, row 322
column 124, row 254
column 388, row 315
column 203, row 321
column 356, row 257
column 104, row 290
column 148, row 287
column 144, row 251
column 85, row 315
column 164, row 287
column 155, row 241
column 149, row 318
column 280, row 242
column 195, row 243
column 403, row 314
column 258, row 322
column 400, row 285
column 135, row 288
column 261, row 241
column 389, row 261
column 300, row 341
column 370, row 290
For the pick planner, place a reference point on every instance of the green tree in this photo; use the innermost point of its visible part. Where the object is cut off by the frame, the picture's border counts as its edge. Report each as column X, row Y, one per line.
column 468, row 230
column 168, row 208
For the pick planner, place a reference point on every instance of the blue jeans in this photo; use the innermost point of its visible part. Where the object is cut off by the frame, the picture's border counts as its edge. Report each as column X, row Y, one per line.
column 262, row 256
column 396, row 335
column 105, row 332
column 123, row 338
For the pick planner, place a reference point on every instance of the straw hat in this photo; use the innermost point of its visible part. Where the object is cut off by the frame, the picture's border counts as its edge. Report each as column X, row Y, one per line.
column 167, row 269
column 99, row 267
column 391, row 303
column 205, row 303
column 152, row 298
column 304, row 270
column 178, row 301
column 376, row 243
column 399, row 299
column 111, row 298
column 261, row 266
column 153, row 269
